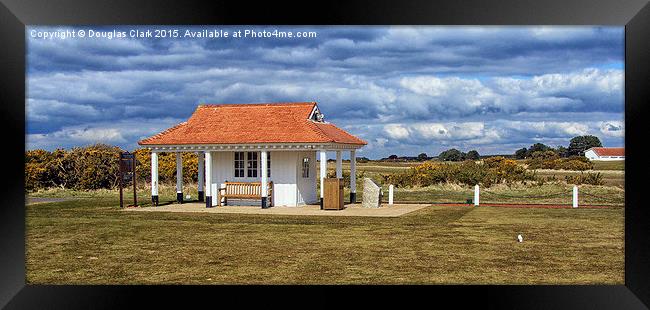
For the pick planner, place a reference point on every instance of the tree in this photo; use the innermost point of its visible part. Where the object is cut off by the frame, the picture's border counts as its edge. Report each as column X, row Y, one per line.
column 452, row 155
column 521, row 153
column 473, row 155
column 423, row 157
column 392, row 157
column 562, row 151
column 538, row 147
column 580, row 144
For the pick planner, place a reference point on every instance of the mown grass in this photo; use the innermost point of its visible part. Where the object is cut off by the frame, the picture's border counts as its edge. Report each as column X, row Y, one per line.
column 612, row 193
column 90, row 241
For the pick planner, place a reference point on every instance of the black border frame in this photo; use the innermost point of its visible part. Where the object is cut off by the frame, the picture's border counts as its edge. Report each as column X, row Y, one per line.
column 15, row 14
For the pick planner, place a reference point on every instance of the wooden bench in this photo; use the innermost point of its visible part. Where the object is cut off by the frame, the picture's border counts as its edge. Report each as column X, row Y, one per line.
column 244, row 190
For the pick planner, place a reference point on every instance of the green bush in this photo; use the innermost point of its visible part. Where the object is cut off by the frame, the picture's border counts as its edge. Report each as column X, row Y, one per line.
column 552, row 161
column 585, row 178
column 493, row 170
column 346, row 176
column 97, row 166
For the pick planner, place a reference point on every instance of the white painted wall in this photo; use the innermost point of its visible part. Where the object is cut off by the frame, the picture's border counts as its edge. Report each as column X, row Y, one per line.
column 283, row 175
column 289, row 188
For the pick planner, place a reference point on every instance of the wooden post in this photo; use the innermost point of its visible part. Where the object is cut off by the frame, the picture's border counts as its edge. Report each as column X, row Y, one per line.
column 209, row 193
column 323, row 175
column 179, row 177
column 121, row 185
column 154, row 178
column 135, row 192
column 353, row 176
column 339, row 165
column 575, row 196
column 390, row 194
column 201, row 156
column 264, row 181
column 476, row 195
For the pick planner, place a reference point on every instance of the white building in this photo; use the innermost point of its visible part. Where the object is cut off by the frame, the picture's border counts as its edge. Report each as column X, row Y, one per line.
column 272, row 146
column 605, row 153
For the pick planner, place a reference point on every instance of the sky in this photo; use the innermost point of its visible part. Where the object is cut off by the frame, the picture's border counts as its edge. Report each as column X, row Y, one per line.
column 405, row 90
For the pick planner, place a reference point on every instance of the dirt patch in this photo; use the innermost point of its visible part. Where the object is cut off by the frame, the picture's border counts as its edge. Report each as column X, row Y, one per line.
column 35, row 200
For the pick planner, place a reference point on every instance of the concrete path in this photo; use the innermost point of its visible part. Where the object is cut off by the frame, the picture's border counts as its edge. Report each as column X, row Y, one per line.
column 350, row 210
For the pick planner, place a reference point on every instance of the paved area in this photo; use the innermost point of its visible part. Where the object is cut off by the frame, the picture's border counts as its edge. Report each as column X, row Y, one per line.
column 350, row 210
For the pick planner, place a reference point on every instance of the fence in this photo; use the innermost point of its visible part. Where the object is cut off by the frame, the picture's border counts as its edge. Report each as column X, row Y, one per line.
column 556, row 198
column 573, row 197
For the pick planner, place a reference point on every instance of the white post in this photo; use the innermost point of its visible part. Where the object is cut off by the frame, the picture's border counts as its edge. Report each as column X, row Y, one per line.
column 208, row 180
column 179, row 177
column 264, row 187
column 323, row 174
column 575, row 196
column 339, row 165
column 390, row 194
column 476, row 195
column 201, row 156
column 353, row 176
column 154, row 178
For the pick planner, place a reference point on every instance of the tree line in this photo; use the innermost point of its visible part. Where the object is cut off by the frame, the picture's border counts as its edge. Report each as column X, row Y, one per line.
column 577, row 147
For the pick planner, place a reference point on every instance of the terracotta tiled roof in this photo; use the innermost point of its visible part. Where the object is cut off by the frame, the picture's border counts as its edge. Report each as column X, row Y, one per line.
column 609, row 151
column 252, row 123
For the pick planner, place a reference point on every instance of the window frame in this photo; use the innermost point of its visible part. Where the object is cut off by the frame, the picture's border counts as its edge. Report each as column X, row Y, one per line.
column 242, row 169
column 305, row 167
column 252, row 164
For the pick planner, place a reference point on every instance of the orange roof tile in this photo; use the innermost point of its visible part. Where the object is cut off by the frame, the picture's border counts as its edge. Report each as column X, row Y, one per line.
column 252, row 123
column 609, row 151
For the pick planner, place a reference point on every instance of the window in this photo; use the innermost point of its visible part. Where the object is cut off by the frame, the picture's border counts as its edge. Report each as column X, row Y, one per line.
column 305, row 167
column 268, row 164
column 251, row 164
column 239, row 164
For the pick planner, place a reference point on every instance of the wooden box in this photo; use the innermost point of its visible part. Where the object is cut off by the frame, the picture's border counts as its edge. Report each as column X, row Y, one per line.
column 333, row 195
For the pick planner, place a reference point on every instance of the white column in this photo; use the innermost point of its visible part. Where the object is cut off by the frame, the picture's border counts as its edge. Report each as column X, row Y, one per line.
column 575, row 196
column 179, row 176
column 339, row 165
column 323, row 172
column 265, row 178
column 201, row 156
column 476, row 195
column 208, row 180
column 390, row 194
column 353, row 173
column 154, row 177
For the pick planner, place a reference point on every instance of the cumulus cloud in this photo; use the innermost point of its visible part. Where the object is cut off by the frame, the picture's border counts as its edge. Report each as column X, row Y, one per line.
column 401, row 88
column 613, row 128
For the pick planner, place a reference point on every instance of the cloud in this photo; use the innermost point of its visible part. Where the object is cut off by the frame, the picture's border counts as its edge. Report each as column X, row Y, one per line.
column 123, row 133
column 613, row 128
column 401, row 88
column 396, row 131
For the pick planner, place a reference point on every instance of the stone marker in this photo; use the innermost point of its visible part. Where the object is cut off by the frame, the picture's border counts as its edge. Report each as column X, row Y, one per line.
column 371, row 194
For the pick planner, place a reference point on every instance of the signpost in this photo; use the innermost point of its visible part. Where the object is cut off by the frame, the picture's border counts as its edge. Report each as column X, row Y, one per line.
column 127, row 173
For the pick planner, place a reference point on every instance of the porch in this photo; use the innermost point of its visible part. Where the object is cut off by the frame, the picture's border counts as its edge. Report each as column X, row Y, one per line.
column 312, row 210
column 278, row 175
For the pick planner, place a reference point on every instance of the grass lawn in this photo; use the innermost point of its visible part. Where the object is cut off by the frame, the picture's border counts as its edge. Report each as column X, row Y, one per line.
column 89, row 240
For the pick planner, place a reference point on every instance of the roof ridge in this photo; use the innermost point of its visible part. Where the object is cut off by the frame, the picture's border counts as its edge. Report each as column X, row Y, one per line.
column 257, row 104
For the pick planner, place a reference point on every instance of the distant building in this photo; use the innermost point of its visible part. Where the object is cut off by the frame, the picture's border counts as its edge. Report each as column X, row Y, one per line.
column 605, row 153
